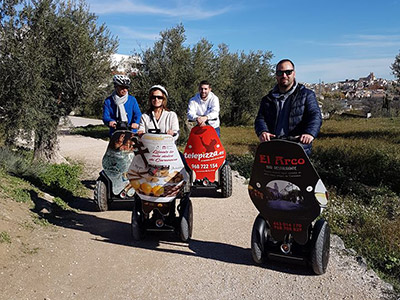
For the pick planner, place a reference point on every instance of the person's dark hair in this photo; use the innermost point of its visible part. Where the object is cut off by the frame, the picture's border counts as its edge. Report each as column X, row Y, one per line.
column 204, row 82
column 282, row 61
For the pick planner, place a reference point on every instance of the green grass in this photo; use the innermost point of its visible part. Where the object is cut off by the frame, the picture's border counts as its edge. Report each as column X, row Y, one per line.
column 25, row 184
column 5, row 237
column 94, row 131
column 359, row 159
column 63, row 179
column 59, row 179
column 63, row 205
column 15, row 188
column 239, row 140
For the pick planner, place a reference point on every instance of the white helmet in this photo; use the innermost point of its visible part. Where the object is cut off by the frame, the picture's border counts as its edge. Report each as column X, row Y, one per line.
column 121, row 80
column 159, row 87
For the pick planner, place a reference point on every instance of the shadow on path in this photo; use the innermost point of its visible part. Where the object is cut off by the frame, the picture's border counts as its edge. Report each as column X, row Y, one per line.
column 119, row 233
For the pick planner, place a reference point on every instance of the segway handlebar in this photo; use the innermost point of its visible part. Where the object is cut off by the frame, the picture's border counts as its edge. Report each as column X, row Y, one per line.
column 158, row 131
column 288, row 138
column 121, row 125
column 194, row 121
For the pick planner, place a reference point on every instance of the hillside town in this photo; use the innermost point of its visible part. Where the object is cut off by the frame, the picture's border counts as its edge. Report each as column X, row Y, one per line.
column 364, row 87
column 364, row 96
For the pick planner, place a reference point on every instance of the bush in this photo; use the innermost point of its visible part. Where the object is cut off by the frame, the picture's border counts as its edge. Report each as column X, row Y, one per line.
column 241, row 163
column 19, row 162
column 15, row 188
column 62, row 179
column 360, row 162
column 369, row 225
column 347, row 165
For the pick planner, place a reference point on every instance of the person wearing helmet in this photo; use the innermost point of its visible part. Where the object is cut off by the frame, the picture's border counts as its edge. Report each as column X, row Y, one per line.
column 158, row 118
column 120, row 106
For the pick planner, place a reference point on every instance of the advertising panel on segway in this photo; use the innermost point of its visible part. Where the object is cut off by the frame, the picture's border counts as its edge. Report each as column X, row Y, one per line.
column 113, row 184
column 206, row 157
column 158, row 175
column 289, row 194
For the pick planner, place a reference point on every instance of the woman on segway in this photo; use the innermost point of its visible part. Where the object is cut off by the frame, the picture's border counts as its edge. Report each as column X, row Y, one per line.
column 158, row 118
column 158, row 175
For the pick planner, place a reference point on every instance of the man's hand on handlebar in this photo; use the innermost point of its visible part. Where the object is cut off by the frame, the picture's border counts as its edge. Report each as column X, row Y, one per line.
column 201, row 121
column 306, row 138
column 134, row 125
column 112, row 124
column 265, row 136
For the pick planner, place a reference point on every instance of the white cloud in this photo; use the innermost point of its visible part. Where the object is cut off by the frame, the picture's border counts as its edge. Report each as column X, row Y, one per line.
column 341, row 69
column 192, row 10
column 130, row 34
column 380, row 41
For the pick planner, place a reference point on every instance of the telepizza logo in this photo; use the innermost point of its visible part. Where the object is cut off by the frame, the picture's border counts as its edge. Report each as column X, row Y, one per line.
column 200, row 156
column 280, row 160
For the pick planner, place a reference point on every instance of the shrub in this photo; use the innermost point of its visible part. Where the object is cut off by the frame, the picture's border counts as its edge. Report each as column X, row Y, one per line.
column 347, row 164
column 19, row 162
column 62, row 179
column 15, row 188
column 241, row 163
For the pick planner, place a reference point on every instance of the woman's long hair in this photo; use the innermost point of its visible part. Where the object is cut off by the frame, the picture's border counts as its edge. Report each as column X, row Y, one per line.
column 163, row 105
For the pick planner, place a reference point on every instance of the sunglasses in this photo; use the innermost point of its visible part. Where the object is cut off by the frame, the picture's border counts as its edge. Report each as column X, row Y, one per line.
column 157, row 98
column 287, row 72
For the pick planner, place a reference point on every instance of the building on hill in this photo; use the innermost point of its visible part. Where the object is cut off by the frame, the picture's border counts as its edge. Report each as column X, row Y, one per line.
column 123, row 64
column 369, row 79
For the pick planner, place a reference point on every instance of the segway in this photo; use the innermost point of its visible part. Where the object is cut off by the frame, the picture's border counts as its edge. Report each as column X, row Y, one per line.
column 158, row 175
column 206, row 158
column 290, row 196
column 113, row 184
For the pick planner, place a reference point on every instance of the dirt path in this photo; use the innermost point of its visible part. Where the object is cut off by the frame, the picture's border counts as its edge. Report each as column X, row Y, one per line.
column 90, row 255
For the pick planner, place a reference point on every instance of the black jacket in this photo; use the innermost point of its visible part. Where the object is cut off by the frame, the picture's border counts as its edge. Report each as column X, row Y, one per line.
column 304, row 117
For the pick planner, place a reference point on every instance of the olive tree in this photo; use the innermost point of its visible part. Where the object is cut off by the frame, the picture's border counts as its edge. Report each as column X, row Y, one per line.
column 61, row 60
column 252, row 80
column 239, row 80
column 396, row 67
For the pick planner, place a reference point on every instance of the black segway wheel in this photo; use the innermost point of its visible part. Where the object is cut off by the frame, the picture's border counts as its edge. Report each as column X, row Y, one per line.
column 321, row 244
column 138, row 229
column 186, row 224
column 226, row 181
column 100, row 195
column 259, row 236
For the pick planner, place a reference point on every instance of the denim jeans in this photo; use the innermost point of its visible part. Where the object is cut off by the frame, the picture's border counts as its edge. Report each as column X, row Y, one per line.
column 218, row 130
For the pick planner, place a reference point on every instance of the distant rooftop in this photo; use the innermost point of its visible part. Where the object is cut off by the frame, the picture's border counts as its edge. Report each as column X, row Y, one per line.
column 122, row 63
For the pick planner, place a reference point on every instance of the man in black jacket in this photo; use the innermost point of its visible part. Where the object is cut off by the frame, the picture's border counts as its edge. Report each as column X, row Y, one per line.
column 289, row 109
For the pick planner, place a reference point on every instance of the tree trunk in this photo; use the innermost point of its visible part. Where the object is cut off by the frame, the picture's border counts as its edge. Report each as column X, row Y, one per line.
column 46, row 147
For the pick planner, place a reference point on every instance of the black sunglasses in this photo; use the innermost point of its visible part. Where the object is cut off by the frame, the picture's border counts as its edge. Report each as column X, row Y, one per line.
column 280, row 72
column 157, row 97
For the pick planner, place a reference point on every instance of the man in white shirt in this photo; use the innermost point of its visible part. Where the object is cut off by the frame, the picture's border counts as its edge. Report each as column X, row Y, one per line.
column 204, row 107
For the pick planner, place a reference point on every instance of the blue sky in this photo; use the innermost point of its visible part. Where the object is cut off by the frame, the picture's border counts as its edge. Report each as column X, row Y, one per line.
column 327, row 40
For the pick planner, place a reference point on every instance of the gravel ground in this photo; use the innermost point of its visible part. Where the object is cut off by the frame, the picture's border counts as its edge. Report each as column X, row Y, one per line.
column 90, row 255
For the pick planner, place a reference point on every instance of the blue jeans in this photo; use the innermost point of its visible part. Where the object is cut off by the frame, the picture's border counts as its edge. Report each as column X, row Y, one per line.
column 218, row 130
